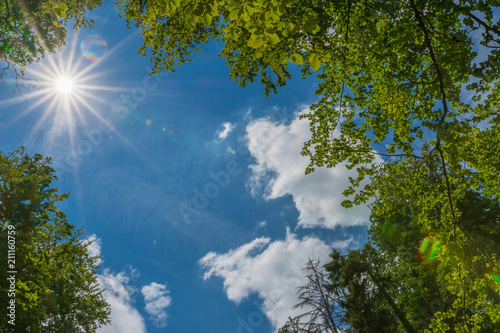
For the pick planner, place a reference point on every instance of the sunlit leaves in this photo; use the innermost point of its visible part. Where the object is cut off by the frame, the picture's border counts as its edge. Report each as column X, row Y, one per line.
column 56, row 282
column 60, row 9
column 297, row 58
column 399, row 81
column 411, row 217
column 252, row 31
column 315, row 61
column 21, row 44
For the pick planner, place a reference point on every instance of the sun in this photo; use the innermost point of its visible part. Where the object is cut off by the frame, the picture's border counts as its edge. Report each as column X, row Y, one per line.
column 64, row 85
column 65, row 89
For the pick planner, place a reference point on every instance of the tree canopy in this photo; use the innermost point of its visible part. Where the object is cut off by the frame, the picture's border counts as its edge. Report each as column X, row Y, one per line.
column 408, row 95
column 408, row 278
column 393, row 75
column 56, row 287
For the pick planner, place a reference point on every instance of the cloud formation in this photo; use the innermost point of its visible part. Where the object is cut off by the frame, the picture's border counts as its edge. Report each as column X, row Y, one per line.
column 124, row 316
column 279, row 171
column 228, row 127
column 272, row 270
column 119, row 292
column 94, row 248
column 157, row 299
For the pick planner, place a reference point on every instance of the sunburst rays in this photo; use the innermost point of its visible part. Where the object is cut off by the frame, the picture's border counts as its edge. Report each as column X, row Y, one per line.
column 65, row 91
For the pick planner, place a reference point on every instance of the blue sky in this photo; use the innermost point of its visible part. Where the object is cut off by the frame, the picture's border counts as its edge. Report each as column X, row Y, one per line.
column 192, row 188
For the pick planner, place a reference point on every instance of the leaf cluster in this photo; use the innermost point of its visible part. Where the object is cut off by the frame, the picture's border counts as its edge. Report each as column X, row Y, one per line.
column 56, row 283
column 30, row 29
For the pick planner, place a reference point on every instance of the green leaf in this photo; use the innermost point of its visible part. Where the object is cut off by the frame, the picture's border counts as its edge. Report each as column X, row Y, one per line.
column 207, row 19
column 214, row 12
column 194, row 19
column 62, row 6
column 297, row 58
column 315, row 61
column 189, row 9
column 165, row 10
column 311, row 27
column 232, row 5
column 273, row 38
column 198, row 11
column 248, row 9
column 234, row 14
column 56, row 23
column 255, row 42
column 59, row 12
column 46, row 9
column 283, row 58
column 171, row 7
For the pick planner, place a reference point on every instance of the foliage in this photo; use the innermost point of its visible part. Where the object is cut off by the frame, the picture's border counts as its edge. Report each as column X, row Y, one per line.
column 392, row 72
column 412, row 278
column 56, row 285
column 412, row 220
column 414, row 82
column 369, row 302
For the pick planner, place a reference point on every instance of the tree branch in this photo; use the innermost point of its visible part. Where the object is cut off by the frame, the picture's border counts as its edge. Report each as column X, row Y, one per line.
column 486, row 26
column 439, row 74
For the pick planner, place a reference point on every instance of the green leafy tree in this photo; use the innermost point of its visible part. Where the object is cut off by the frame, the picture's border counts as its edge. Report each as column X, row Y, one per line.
column 391, row 73
column 56, row 287
column 412, row 276
column 29, row 29
column 364, row 277
column 415, row 81
column 453, row 264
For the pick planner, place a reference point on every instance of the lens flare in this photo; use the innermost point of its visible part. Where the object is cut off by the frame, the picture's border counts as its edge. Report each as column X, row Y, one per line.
column 94, row 47
column 64, row 93
column 434, row 250
column 428, row 249
column 424, row 245
column 494, row 277
column 493, row 280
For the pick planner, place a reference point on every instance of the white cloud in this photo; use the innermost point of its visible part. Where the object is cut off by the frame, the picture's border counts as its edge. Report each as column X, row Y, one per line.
column 118, row 293
column 279, row 169
column 346, row 244
column 94, row 249
column 124, row 316
column 273, row 270
column 157, row 299
column 261, row 224
column 228, row 127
